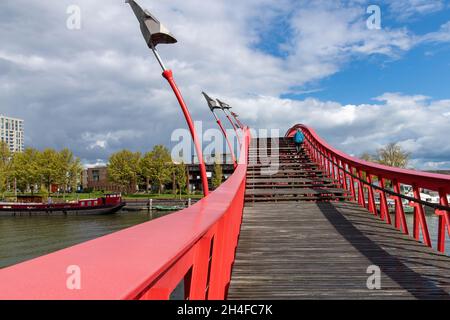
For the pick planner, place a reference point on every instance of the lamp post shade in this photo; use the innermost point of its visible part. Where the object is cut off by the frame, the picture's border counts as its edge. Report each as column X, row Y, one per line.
column 213, row 105
column 223, row 105
column 226, row 110
column 153, row 31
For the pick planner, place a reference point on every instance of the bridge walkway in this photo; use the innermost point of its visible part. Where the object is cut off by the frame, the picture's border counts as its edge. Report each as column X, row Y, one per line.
column 310, row 242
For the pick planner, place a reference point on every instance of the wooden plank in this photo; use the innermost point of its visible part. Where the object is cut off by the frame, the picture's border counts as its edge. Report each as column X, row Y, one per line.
column 297, row 191
column 321, row 250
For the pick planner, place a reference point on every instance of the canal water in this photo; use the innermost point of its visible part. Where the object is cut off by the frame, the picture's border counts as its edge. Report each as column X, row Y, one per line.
column 24, row 238
column 433, row 224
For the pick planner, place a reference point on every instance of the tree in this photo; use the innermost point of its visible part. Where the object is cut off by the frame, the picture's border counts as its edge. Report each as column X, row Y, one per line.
column 69, row 170
column 218, row 175
column 145, row 169
column 25, row 169
column 159, row 166
column 367, row 157
column 74, row 172
column 5, row 163
column 180, row 177
column 123, row 168
column 393, row 155
column 49, row 165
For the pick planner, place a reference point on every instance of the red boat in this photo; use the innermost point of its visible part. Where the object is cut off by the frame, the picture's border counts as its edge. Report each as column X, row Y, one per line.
column 108, row 204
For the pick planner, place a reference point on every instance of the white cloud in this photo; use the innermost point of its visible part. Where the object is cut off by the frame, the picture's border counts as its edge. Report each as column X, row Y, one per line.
column 417, row 123
column 407, row 8
column 99, row 89
column 443, row 35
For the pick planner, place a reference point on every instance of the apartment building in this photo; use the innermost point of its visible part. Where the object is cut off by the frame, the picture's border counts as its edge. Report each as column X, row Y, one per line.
column 12, row 132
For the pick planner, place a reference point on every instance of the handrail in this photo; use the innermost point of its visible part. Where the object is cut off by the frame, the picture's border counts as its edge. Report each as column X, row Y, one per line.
column 148, row 261
column 356, row 175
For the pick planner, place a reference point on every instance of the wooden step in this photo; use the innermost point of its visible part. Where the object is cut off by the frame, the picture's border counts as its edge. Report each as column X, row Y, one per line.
column 287, row 180
column 294, row 191
column 317, row 198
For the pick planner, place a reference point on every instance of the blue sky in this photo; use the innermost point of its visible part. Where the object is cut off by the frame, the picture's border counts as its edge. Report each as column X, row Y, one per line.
column 422, row 70
column 98, row 89
column 416, row 72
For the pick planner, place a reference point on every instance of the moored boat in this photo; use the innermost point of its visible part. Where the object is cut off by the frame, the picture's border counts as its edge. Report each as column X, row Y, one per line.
column 168, row 208
column 108, row 204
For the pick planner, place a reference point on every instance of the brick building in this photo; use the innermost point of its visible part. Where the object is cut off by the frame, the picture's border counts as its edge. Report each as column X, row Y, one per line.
column 96, row 179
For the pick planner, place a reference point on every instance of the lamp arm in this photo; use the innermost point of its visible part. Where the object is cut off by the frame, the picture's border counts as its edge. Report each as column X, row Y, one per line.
column 158, row 57
column 224, row 132
column 168, row 75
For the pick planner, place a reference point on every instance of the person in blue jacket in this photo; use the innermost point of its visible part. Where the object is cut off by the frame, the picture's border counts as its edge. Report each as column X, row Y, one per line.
column 299, row 138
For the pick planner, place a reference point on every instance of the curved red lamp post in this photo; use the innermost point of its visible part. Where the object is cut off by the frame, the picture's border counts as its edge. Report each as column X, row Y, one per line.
column 226, row 107
column 236, row 117
column 213, row 105
column 155, row 33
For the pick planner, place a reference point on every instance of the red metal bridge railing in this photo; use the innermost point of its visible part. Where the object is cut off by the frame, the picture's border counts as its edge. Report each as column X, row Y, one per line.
column 368, row 182
column 196, row 245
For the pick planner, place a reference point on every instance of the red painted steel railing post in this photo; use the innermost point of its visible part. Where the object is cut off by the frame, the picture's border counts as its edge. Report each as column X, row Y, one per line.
column 168, row 75
column 334, row 164
column 372, row 204
column 337, row 171
column 344, row 175
column 232, row 243
column 216, row 289
column 352, row 183
column 331, row 166
column 340, row 172
column 444, row 221
column 319, row 158
column 361, row 199
column 400, row 219
column 384, row 208
column 156, row 294
column 420, row 221
column 200, row 269
column 324, row 161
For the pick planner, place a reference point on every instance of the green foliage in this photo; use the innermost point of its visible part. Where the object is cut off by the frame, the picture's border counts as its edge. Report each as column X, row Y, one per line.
column 145, row 168
column 69, row 170
column 49, row 163
column 124, row 168
column 158, row 166
column 367, row 157
column 218, row 175
column 5, row 163
column 180, row 175
column 36, row 171
column 391, row 155
column 26, row 170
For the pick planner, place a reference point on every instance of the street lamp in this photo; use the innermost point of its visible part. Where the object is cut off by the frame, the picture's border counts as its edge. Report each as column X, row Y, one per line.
column 213, row 105
column 155, row 33
column 236, row 117
column 226, row 107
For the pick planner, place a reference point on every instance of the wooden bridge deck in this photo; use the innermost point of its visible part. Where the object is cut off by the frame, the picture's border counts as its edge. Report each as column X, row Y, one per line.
column 322, row 250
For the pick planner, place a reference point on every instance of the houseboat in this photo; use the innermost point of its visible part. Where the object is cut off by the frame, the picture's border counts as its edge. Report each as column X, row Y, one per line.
column 108, row 204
